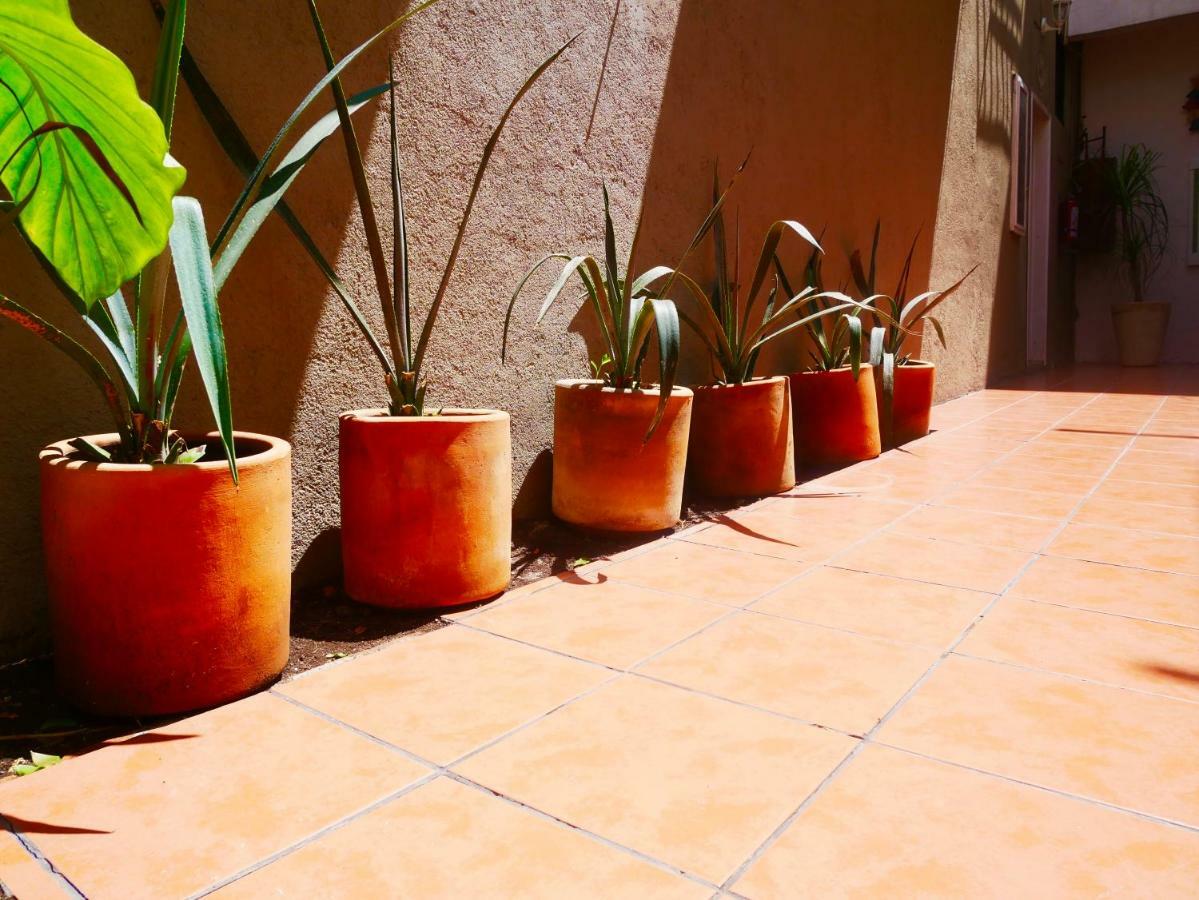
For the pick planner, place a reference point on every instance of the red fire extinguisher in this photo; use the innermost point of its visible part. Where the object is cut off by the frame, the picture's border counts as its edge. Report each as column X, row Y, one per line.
column 1070, row 220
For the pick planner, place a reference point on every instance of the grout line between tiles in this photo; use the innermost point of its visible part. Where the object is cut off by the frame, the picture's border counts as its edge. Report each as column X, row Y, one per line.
column 42, row 861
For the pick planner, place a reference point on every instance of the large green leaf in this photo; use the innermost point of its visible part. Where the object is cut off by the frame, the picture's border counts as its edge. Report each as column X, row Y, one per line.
column 193, row 273
column 78, row 217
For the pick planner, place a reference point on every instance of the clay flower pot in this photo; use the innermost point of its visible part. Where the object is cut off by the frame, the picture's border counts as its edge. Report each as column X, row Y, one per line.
column 836, row 417
column 606, row 475
column 1140, row 331
column 741, row 439
column 170, row 588
column 913, row 401
column 426, row 506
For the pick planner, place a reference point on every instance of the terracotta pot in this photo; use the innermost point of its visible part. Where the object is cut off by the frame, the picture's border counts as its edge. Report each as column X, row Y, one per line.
column 170, row 588
column 741, row 439
column 1140, row 331
column 836, row 418
column 426, row 506
column 913, row 401
column 606, row 475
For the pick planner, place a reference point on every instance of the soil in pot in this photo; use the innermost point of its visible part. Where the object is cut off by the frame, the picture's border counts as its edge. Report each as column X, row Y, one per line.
column 1140, row 331
column 426, row 507
column 742, row 441
column 836, row 417
column 169, row 586
column 607, row 476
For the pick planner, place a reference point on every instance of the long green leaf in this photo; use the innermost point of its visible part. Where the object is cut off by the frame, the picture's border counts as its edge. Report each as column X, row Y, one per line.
column 666, row 323
column 488, row 149
column 520, row 287
column 78, row 217
column 197, row 292
column 166, row 67
column 401, row 298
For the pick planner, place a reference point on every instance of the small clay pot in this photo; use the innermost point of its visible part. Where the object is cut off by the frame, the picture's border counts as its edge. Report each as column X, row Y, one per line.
column 913, row 401
column 836, row 417
column 170, row 587
column 741, row 439
column 426, row 507
column 1140, row 331
column 607, row 476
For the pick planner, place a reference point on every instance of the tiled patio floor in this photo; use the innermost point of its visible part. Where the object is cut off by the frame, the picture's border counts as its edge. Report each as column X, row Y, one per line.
column 969, row 668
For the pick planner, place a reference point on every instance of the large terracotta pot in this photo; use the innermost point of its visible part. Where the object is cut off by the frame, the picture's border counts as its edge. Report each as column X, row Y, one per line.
column 913, row 401
column 1140, row 331
column 606, row 475
column 741, row 439
column 426, row 506
column 836, row 417
column 170, row 588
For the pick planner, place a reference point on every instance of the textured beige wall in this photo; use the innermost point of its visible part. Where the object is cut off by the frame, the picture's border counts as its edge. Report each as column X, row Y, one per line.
column 1134, row 83
column 851, row 110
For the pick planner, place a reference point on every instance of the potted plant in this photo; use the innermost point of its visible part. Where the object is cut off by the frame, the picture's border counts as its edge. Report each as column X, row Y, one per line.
column 620, row 443
column 426, row 517
column 834, row 410
column 1142, row 228
column 904, row 385
column 742, row 442
column 163, row 549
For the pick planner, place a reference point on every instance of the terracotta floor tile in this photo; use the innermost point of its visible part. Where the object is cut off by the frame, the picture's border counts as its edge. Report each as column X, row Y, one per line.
column 445, row 839
column 1034, row 479
column 707, row 573
column 1142, row 472
column 895, row 825
column 819, row 511
column 168, row 813
column 881, row 486
column 23, row 876
column 1021, row 463
column 1098, row 646
column 1124, row 547
column 796, row 538
column 1178, row 520
column 695, row 782
column 940, row 562
column 971, row 526
column 1181, row 445
column 603, row 621
column 1130, row 749
column 1113, row 589
column 1159, row 491
column 1159, row 458
column 989, row 498
column 877, row 605
column 846, row 681
column 444, row 693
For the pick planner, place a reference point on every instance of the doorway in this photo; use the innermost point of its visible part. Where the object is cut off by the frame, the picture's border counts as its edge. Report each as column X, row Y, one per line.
column 1040, row 237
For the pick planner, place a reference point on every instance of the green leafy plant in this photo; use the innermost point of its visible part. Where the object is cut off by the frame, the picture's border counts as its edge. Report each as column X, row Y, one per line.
column 733, row 336
column 628, row 308
column 1142, row 222
column 896, row 318
column 37, row 762
column 403, row 360
column 148, row 357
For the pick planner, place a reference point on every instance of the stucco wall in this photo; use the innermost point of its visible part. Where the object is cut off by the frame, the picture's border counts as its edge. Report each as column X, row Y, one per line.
column 854, row 112
column 1135, row 82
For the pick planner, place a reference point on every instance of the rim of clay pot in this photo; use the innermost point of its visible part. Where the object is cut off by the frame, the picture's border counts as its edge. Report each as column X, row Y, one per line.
column 753, row 382
column 864, row 368
column 593, row 384
column 446, row 414
column 916, row 364
column 264, row 449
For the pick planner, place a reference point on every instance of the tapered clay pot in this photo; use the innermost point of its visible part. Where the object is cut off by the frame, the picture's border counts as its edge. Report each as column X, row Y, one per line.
column 606, row 475
column 426, row 506
column 741, row 439
column 836, row 417
column 1140, row 331
column 913, row 401
column 170, row 587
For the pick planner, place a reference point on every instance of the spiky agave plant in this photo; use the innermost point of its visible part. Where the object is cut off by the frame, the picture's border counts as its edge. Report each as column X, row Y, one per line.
column 404, row 356
column 627, row 308
column 896, row 319
column 733, row 336
column 1142, row 221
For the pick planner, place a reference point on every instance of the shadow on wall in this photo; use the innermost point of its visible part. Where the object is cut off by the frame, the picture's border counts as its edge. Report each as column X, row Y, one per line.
column 843, row 128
